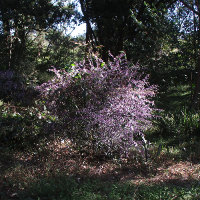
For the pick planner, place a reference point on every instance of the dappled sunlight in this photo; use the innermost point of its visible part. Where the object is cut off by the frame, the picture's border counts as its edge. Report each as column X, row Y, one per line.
column 61, row 159
column 112, row 113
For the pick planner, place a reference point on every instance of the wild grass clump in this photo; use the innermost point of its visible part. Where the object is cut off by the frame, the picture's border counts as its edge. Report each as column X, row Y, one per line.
column 180, row 123
column 179, row 129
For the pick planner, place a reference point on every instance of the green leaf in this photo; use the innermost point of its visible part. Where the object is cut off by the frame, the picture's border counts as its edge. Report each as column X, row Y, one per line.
column 78, row 76
column 102, row 64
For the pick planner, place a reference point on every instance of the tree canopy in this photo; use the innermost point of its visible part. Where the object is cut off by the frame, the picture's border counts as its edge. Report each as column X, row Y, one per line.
column 21, row 18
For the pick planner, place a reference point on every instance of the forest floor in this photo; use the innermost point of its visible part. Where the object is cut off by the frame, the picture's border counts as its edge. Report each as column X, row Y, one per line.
column 36, row 175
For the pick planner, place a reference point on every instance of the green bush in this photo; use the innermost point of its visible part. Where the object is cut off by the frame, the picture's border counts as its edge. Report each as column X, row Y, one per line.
column 180, row 123
column 21, row 127
column 181, row 127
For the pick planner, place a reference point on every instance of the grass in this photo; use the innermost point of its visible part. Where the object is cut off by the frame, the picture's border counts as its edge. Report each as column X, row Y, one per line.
column 174, row 97
column 62, row 188
column 71, row 188
column 62, row 173
column 178, row 126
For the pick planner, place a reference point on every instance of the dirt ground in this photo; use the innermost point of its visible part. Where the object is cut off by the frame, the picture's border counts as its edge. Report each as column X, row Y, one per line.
column 18, row 168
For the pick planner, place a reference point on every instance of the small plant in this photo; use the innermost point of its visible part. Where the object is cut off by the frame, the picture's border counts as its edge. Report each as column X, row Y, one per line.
column 22, row 127
column 107, row 106
column 182, row 123
column 180, row 128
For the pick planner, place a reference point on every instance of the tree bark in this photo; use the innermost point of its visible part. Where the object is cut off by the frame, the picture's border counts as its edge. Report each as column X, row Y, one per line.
column 90, row 36
column 6, row 33
column 195, row 100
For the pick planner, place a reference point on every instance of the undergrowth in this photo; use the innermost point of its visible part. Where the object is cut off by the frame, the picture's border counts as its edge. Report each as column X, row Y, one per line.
column 66, row 188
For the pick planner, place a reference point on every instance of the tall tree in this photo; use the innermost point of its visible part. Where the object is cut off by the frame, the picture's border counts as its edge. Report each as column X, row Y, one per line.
column 123, row 23
column 194, row 7
column 187, row 14
column 20, row 17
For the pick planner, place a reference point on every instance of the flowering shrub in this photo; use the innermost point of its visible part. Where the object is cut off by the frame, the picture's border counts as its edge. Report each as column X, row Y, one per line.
column 14, row 88
column 109, row 104
column 11, row 85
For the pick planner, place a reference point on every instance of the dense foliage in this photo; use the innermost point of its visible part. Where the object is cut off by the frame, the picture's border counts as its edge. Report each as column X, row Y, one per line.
column 110, row 102
column 92, row 98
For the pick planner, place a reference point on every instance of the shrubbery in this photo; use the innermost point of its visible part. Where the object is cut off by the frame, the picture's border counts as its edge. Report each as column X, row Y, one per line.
column 20, row 126
column 22, row 122
column 105, row 105
column 14, row 88
column 180, row 127
column 11, row 85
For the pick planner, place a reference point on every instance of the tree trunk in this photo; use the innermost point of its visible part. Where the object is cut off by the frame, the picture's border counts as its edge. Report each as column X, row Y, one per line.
column 7, row 37
column 195, row 100
column 90, row 36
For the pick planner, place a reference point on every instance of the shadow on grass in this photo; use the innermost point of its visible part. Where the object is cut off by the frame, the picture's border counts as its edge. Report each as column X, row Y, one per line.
column 73, row 188
column 119, row 183
column 174, row 98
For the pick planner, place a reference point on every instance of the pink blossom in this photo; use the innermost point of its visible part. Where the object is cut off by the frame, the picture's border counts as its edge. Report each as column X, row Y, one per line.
column 110, row 103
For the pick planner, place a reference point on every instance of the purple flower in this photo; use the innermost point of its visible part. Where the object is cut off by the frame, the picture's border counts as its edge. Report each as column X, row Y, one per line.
column 112, row 103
